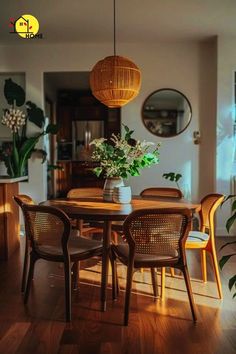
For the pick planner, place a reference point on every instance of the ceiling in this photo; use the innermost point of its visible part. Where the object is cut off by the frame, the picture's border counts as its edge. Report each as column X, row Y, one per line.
column 137, row 20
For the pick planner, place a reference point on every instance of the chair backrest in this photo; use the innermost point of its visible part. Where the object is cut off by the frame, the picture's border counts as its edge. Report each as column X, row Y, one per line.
column 209, row 204
column 158, row 231
column 85, row 192
column 162, row 192
column 21, row 199
column 47, row 228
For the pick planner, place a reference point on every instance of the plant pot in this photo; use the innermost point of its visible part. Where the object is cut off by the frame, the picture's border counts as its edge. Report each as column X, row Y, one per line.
column 122, row 195
column 110, row 184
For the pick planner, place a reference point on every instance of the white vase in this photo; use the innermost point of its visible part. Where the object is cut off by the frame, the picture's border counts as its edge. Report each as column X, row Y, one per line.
column 110, row 184
column 122, row 195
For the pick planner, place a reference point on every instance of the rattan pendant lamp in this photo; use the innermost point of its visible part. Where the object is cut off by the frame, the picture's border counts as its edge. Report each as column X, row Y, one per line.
column 115, row 80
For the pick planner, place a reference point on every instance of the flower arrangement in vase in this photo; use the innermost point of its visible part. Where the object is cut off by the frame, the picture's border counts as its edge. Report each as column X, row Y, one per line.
column 121, row 157
column 22, row 147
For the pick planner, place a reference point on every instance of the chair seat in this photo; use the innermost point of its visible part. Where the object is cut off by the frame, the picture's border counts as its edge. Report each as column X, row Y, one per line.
column 78, row 247
column 197, row 239
column 141, row 259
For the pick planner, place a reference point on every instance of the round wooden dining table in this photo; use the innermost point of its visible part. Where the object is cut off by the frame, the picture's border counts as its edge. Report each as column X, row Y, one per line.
column 98, row 210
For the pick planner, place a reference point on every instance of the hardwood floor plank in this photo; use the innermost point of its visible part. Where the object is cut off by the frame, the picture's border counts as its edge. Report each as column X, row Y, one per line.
column 13, row 337
column 160, row 326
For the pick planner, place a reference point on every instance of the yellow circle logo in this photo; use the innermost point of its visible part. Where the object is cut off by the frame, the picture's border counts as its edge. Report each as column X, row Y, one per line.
column 27, row 26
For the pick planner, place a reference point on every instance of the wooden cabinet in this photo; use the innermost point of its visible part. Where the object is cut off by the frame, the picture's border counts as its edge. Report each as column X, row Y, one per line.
column 73, row 105
column 9, row 217
column 76, row 174
column 83, row 175
column 65, row 115
column 63, row 178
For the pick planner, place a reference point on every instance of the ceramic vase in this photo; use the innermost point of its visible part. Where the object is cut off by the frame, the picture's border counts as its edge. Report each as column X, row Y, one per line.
column 122, row 195
column 110, row 184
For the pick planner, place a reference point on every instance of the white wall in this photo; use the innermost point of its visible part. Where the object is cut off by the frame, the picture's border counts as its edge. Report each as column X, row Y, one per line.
column 226, row 68
column 167, row 66
column 176, row 65
column 19, row 78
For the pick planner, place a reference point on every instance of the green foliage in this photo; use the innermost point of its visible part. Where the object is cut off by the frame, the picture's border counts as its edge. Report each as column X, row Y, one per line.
column 123, row 156
column 35, row 114
column 23, row 146
column 173, row 177
column 14, row 93
column 224, row 259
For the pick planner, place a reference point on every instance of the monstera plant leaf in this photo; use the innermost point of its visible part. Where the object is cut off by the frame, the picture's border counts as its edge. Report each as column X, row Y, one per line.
column 14, row 93
column 52, row 129
column 35, row 114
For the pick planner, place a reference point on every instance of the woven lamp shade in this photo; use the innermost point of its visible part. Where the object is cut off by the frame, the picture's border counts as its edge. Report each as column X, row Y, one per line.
column 115, row 81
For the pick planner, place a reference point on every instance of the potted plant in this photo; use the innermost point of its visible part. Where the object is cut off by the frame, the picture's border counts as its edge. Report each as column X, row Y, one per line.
column 16, row 157
column 120, row 157
column 173, row 177
column 224, row 259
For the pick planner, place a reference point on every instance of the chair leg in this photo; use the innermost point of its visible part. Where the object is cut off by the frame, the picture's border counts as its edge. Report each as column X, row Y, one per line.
column 190, row 293
column 154, row 282
column 25, row 267
column 75, row 276
column 115, row 237
column 172, row 271
column 67, row 271
column 114, row 277
column 33, row 259
column 204, row 266
column 128, row 293
column 217, row 274
column 163, row 275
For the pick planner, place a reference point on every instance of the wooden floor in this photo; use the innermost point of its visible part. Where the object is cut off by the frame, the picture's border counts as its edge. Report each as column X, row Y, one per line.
column 155, row 326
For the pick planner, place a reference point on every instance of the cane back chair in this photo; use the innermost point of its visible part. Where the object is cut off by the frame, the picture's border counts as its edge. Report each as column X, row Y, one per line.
column 162, row 192
column 154, row 238
column 21, row 199
column 204, row 239
column 49, row 231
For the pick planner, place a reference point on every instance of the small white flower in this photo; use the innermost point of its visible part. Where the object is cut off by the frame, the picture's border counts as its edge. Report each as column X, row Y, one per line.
column 14, row 119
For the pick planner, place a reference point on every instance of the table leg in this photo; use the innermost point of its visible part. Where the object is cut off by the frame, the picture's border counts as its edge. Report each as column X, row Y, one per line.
column 105, row 262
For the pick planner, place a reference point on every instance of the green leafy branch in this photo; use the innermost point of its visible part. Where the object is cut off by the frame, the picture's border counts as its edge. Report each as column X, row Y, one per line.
column 224, row 259
column 123, row 156
column 24, row 146
column 173, row 177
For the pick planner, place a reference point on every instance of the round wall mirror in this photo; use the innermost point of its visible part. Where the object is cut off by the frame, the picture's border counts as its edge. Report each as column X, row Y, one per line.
column 166, row 112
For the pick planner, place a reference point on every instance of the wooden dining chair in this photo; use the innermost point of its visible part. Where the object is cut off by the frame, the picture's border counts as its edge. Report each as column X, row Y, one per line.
column 153, row 192
column 154, row 238
column 21, row 199
column 49, row 231
column 162, row 192
column 91, row 227
column 204, row 239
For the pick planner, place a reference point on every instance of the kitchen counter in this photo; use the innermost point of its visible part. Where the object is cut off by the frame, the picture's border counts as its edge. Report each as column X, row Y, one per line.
column 9, row 216
column 6, row 179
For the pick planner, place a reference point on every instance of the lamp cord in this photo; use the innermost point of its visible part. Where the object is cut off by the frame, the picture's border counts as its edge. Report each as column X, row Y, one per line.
column 114, row 18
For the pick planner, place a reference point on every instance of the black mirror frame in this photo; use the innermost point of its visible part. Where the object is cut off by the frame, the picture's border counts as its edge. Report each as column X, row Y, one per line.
column 167, row 89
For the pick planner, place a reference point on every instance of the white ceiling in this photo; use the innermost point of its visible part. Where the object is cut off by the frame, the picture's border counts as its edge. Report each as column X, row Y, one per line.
column 137, row 20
